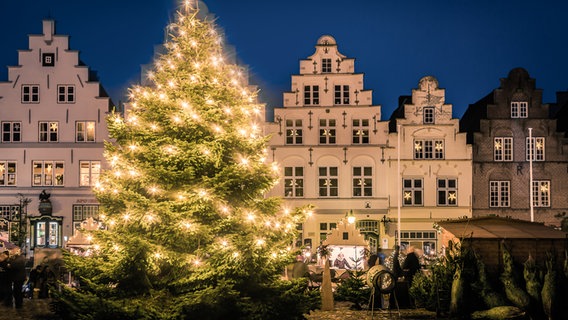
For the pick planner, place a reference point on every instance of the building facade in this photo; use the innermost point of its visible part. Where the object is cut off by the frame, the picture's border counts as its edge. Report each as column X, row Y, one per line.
column 52, row 113
column 518, row 153
column 429, row 165
column 327, row 140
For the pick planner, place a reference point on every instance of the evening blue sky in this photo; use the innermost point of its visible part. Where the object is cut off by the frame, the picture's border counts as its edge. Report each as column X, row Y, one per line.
column 467, row 45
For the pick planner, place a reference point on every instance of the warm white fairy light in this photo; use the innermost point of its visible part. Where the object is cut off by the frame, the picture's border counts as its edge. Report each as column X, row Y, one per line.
column 171, row 84
column 244, row 161
column 235, row 254
column 132, row 147
column 251, row 217
column 162, row 96
column 118, row 174
column 186, row 225
column 176, row 119
column 126, row 217
column 260, row 242
column 132, row 173
column 225, row 209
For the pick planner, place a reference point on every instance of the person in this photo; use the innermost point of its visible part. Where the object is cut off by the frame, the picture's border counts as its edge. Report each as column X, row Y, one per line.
column 46, row 279
column 4, row 277
column 411, row 264
column 300, row 268
column 340, row 262
column 17, row 274
column 33, row 280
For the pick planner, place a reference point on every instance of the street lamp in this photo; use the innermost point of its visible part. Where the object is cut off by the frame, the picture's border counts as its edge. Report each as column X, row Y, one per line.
column 350, row 217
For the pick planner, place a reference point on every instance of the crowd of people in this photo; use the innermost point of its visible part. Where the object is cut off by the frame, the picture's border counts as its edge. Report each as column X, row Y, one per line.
column 15, row 285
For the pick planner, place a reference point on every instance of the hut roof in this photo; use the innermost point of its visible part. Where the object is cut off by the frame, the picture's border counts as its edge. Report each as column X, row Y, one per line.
column 500, row 228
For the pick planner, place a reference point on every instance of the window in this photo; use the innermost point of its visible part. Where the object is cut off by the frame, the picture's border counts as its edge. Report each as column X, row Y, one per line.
column 536, row 147
column 7, row 173
column 11, row 131
column 82, row 212
column 519, row 109
column 428, row 115
column 65, row 94
column 30, row 93
column 360, row 131
column 428, row 149
column 48, row 131
column 9, row 212
column 541, row 193
column 48, row 173
column 362, row 181
column 325, row 65
column 48, row 59
column 499, row 193
column 328, row 182
column 503, row 149
column 327, row 131
column 293, row 131
column 412, row 192
column 341, row 95
column 89, row 172
column 311, row 95
column 85, row 131
column 294, row 181
column 447, row 192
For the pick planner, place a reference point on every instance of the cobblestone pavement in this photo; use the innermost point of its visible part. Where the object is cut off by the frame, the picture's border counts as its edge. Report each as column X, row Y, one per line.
column 36, row 309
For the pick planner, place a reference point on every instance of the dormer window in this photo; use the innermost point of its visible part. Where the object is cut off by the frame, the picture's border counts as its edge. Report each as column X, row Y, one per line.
column 519, row 109
column 428, row 115
column 326, row 65
column 48, row 59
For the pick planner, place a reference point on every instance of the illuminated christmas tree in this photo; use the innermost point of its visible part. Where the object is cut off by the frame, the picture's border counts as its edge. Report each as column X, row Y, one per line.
column 189, row 231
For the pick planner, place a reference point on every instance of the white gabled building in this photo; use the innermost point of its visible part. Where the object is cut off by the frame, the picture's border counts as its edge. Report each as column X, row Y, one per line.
column 329, row 145
column 52, row 113
column 435, row 167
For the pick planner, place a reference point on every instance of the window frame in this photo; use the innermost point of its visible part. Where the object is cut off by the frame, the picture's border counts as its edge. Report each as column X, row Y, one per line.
column 499, row 193
column 360, row 131
column 32, row 95
column 327, row 131
column 326, row 65
column 42, row 178
column 14, row 129
column 8, row 178
column 428, row 149
column 68, row 95
column 89, row 176
column 447, row 192
column 519, row 109
column 87, row 134
column 541, row 197
column 311, row 95
column 328, row 182
column 362, row 181
column 540, row 143
column 428, row 115
column 50, row 133
column 294, row 131
column 293, row 182
column 341, row 95
column 503, row 149
column 412, row 194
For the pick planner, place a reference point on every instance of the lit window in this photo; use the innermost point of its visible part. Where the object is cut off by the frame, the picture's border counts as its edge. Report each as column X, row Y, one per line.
column 328, row 182
column 8, row 173
column 428, row 149
column 327, row 131
column 11, row 131
column 30, row 93
column 503, row 149
column 362, row 181
column 48, row 173
column 541, row 193
column 89, row 172
column 447, row 192
column 412, row 192
column 82, row 212
column 536, row 147
column 48, row 131
column 294, row 181
column 65, row 94
column 293, row 131
column 85, row 131
column 499, row 193
column 360, row 131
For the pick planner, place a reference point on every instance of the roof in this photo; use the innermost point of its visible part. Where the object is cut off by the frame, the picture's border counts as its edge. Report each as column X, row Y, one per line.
column 492, row 227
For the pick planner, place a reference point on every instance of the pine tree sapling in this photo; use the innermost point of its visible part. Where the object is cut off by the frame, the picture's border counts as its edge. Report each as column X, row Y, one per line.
column 189, row 227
